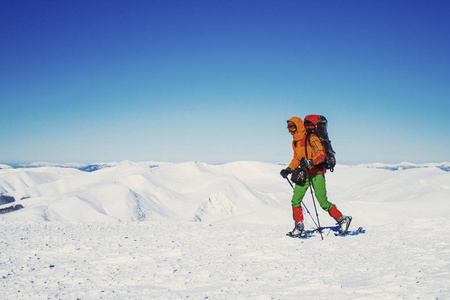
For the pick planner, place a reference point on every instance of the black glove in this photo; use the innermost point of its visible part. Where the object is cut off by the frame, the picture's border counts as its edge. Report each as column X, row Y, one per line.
column 285, row 172
column 305, row 163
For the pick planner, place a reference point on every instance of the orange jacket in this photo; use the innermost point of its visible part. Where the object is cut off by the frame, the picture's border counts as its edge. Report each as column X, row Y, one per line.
column 315, row 149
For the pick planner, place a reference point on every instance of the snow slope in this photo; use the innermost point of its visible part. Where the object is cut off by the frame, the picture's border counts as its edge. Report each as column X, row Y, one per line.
column 198, row 231
column 130, row 192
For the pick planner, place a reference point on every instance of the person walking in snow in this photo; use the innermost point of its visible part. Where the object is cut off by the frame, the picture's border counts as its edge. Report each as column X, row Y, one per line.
column 315, row 175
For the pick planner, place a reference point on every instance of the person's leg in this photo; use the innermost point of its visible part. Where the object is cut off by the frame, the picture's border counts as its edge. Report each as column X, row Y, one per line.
column 299, row 193
column 320, row 190
column 318, row 182
column 297, row 211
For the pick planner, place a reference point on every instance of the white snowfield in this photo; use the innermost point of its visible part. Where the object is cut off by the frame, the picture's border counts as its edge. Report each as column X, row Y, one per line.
column 199, row 231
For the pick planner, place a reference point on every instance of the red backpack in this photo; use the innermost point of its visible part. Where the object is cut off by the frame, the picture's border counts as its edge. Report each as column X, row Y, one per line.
column 317, row 124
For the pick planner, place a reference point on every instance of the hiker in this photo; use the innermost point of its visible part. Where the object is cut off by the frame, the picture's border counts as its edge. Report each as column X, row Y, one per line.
column 306, row 168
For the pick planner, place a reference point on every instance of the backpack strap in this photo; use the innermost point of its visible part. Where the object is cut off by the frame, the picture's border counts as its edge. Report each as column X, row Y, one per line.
column 307, row 140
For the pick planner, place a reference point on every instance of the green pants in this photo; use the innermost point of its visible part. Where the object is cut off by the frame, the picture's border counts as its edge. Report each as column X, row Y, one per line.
column 318, row 183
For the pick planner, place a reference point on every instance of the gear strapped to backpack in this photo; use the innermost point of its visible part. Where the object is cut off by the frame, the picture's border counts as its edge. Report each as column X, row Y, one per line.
column 299, row 176
column 317, row 124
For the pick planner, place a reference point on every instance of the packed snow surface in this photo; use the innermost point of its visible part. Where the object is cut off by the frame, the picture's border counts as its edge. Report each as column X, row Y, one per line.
column 200, row 231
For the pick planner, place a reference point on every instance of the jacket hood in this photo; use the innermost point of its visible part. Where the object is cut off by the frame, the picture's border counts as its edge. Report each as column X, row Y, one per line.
column 301, row 131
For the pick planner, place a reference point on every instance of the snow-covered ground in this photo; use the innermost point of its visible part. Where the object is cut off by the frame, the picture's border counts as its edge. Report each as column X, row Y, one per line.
column 199, row 231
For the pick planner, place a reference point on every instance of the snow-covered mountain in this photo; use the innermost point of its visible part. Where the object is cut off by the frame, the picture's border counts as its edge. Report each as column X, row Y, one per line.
column 200, row 231
column 445, row 166
column 145, row 191
column 2, row 166
column 245, row 191
column 84, row 167
column 50, row 164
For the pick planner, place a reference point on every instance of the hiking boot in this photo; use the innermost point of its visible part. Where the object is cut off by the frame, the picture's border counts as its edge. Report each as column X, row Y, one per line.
column 299, row 230
column 344, row 223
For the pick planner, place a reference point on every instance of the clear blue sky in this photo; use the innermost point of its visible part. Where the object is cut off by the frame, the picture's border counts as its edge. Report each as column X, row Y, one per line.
column 215, row 81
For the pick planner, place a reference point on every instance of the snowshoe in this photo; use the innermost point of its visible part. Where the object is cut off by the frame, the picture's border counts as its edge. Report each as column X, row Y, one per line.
column 344, row 223
column 298, row 231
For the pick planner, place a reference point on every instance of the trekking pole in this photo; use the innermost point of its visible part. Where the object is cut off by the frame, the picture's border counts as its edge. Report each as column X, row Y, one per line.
column 318, row 226
column 315, row 208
